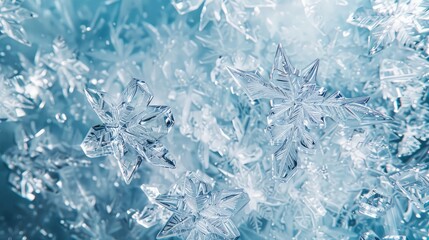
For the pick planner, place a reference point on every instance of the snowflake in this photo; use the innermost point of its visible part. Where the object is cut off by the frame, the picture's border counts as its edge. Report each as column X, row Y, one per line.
column 11, row 17
column 14, row 100
column 236, row 12
column 404, row 21
column 199, row 212
column 65, row 63
column 131, row 129
column 297, row 104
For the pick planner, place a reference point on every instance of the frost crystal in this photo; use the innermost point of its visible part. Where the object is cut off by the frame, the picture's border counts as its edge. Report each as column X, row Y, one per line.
column 131, row 129
column 297, row 105
column 236, row 12
column 11, row 17
column 13, row 98
column 374, row 204
column 404, row 21
column 199, row 212
column 65, row 63
column 413, row 184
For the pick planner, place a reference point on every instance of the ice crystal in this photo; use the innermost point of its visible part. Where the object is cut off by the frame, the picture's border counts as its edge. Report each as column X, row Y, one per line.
column 121, row 62
column 374, row 204
column 12, row 14
column 14, row 99
column 297, row 105
column 403, row 21
column 131, row 129
column 414, row 185
column 403, row 84
column 198, row 211
column 65, row 63
column 36, row 163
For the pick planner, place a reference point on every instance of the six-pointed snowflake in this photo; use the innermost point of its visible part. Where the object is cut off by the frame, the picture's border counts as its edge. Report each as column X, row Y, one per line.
column 199, row 212
column 404, row 21
column 297, row 105
column 131, row 129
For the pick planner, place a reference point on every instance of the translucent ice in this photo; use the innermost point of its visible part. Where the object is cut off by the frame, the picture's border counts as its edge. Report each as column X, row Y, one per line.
column 414, row 185
column 374, row 204
column 131, row 129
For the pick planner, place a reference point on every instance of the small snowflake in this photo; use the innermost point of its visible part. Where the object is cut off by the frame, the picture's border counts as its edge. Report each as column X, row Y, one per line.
column 65, row 63
column 131, row 129
column 297, row 105
column 404, row 21
column 199, row 212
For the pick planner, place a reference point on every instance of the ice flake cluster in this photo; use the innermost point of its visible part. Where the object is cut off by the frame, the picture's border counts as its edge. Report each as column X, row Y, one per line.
column 257, row 148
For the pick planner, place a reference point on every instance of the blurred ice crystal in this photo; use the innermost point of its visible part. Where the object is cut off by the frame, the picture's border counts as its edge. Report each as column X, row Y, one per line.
column 297, row 105
column 131, row 129
column 14, row 99
column 152, row 213
column 12, row 14
column 374, row 204
column 403, row 84
column 236, row 13
column 198, row 211
column 39, row 80
column 65, row 63
column 121, row 63
column 414, row 185
column 403, row 21
column 36, row 163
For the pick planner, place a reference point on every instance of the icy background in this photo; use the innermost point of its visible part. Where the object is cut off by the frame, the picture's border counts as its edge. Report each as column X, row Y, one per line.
column 212, row 119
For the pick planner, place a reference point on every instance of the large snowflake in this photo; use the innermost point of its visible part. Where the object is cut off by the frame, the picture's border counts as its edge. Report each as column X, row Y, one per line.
column 131, row 129
column 199, row 212
column 297, row 105
column 390, row 20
